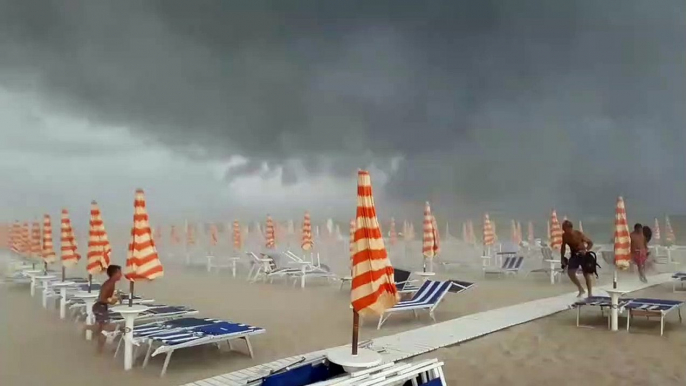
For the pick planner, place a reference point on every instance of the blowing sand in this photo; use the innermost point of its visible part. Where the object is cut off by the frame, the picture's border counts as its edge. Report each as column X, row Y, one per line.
column 37, row 348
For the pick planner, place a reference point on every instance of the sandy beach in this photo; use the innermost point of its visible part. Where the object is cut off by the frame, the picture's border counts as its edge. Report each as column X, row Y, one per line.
column 317, row 317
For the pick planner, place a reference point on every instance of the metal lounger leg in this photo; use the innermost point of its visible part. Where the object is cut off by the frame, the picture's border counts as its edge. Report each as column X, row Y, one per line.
column 230, row 344
column 166, row 363
column 116, row 351
column 662, row 323
column 578, row 314
column 628, row 320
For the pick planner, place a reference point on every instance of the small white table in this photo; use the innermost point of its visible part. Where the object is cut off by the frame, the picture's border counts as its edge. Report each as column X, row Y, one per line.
column 615, row 294
column 129, row 314
column 63, row 285
column 364, row 359
column 89, row 299
column 44, row 281
column 303, row 269
column 209, row 262
column 32, row 273
column 486, row 261
column 425, row 275
column 553, row 265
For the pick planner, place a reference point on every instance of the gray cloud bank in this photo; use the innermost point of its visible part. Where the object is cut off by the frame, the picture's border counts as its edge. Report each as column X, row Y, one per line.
column 501, row 105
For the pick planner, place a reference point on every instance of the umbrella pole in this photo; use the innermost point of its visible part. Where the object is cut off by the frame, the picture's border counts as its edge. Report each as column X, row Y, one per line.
column 64, row 272
column 356, row 331
column 614, row 279
column 131, row 293
column 90, row 282
column 45, row 267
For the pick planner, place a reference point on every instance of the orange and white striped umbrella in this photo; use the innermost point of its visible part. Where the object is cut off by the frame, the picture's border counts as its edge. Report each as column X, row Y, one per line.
column 581, row 227
column 373, row 286
column 174, row 236
column 352, row 238
column 495, row 231
column 237, row 239
column 68, row 242
column 530, row 233
column 669, row 232
column 36, row 240
column 15, row 237
column 269, row 233
column 622, row 237
column 190, row 234
column 392, row 234
column 513, row 232
column 48, row 248
column 99, row 248
column 429, row 243
column 656, row 232
column 142, row 262
column 5, row 230
column 488, row 235
column 555, row 232
column 307, row 243
column 214, row 235
column 437, row 235
column 25, row 240
column 520, row 238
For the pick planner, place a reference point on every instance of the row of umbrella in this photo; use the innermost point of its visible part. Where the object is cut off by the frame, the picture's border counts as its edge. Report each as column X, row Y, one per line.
column 142, row 262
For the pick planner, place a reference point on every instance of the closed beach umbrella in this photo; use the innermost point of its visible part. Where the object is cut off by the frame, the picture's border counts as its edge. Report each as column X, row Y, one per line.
column 656, row 231
column 15, row 238
column 190, row 234
column 142, row 262
column 373, row 287
column 306, row 242
column 157, row 236
column 669, row 232
column 214, row 235
column 429, row 245
column 488, row 234
column 622, row 239
column 25, row 240
column 269, row 233
column 48, row 250
column 437, row 236
column 513, row 231
column 174, row 236
column 99, row 248
column 530, row 233
column 555, row 232
column 36, row 250
column 68, row 247
column 520, row 237
column 470, row 231
column 352, row 238
column 237, row 239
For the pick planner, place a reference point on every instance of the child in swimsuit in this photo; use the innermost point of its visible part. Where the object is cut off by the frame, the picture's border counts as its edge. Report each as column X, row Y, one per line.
column 106, row 298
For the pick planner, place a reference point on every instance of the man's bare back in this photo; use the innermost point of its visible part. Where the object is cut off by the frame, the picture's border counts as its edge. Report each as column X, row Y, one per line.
column 577, row 241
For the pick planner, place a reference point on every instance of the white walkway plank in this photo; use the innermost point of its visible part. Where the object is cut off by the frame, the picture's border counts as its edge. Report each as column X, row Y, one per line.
column 424, row 339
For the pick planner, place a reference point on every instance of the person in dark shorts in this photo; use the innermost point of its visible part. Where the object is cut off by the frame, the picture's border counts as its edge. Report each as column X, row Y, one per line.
column 106, row 298
column 578, row 244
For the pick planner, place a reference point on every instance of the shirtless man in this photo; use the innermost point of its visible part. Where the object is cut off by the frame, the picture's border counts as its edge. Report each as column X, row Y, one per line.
column 578, row 244
column 639, row 250
column 106, row 298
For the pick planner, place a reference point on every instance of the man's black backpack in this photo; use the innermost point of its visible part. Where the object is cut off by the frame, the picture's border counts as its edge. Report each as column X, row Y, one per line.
column 589, row 263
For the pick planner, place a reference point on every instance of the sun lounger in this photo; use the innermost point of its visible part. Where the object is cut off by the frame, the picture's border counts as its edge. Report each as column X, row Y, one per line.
column 602, row 302
column 265, row 267
column 425, row 372
column 651, row 308
column 428, row 297
column 157, row 312
column 511, row 265
column 215, row 333
column 678, row 277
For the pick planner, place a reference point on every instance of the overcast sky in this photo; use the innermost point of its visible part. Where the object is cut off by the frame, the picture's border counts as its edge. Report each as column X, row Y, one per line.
column 241, row 108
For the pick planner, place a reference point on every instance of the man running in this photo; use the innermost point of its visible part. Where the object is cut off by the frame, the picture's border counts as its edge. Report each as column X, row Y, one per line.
column 639, row 250
column 578, row 244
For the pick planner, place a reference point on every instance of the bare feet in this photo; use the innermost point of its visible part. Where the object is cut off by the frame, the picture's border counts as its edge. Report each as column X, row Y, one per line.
column 581, row 293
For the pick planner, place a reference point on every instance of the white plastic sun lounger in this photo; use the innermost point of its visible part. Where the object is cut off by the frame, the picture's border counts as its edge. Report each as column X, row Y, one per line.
column 652, row 308
column 215, row 333
column 427, row 298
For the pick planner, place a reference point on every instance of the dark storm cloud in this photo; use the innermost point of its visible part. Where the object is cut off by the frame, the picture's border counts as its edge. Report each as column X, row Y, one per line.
column 500, row 104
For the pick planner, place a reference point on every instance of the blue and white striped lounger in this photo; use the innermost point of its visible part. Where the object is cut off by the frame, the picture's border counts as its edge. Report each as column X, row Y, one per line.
column 156, row 312
column 214, row 333
column 602, row 302
column 511, row 265
column 143, row 331
column 428, row 297
column 652, row 307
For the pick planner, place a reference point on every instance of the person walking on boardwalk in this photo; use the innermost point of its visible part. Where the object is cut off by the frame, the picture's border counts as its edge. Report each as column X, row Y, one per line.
column 579, row 245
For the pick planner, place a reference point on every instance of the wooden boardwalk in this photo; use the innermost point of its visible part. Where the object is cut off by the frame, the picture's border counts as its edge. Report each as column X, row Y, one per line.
column 421, row 340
